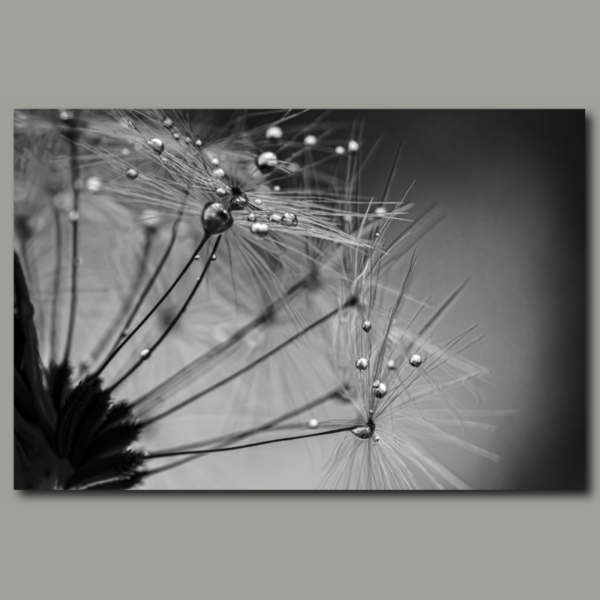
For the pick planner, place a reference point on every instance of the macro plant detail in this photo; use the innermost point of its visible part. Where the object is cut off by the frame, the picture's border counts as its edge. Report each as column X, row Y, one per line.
column 189, row 288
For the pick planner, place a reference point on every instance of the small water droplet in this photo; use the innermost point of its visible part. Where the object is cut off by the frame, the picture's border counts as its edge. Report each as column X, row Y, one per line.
column 197, row 257
column 353, row 146
column 274, row 133
column 260, row 229
column 310, row 140
column 93, row 184
column 73, row 216
column 218, row 173
column 376, row 438
column 289, row 220
column 275, row 218
column 198, row 143
column 251, row 217
column 362, row 364
column 391, row 364
column 376, row 384
column 215, row 161
column 221, row 192
column 156, row 145
column 125, row 152
column 381, row 390
column 213, row 257
column 313, row 423
column 415, row 360
column 367, row 326
column 266, row 162
column 276, row 188
column 380, row 212
column 340, row 150
column 132, row 173
column 176, row 135
column 258, row 202
column 167, row 122
column 145, row 354
column 78, row 261
column 65, row 115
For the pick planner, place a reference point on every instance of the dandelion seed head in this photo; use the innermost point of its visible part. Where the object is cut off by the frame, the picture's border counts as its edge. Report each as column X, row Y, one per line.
column 157, row 145
column 274, row 133
column 216, row 219
column 362, row 364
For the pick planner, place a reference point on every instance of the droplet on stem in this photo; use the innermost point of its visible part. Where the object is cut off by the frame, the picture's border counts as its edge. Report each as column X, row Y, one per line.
column 362, row 364
column 216, row 219
column 266, row 161
column 366, row 326
column 415, row 360
column 132, row 173
column 274, row 133
column 260, row 229
column 156, row 145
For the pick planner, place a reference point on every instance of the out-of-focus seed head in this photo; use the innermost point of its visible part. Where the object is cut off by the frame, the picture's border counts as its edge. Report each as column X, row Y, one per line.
column 266, row 161
column 132, row 173
column 216, row 219
column 274, row 133
column 362, row 364
column 156, row 145
column 415, row 360
column 221, row 192
column 260, row 229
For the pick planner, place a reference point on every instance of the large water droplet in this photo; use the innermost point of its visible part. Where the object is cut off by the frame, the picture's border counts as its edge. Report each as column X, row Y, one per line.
column 259, row 229
column 216, row 218
column 415, row 360
column 362, row 364
column 156, row 145
column 289, row 220
column 266, row 162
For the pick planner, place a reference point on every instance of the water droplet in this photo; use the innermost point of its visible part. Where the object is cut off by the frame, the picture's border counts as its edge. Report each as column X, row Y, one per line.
column 132, row 173
column 310, row 140
column 362, row 364
column 187, row 139
column 362, row 433
column 289, row 220
column 340, row 150
column 221, row 192
column 258, row 201
column 216, row 219
column 376, row 438
column 276, row 188
column 156, row 145
column 367, row 326
column 376, row 384
column 381, row 390
column 151, row 219
column 377, row 234
column 353, row 146
column 275, row 218
column 251, row 217
column 213, row 257
column 176, row 135
column 238, row 203
column 415, row 360
column 167, row 122
column 197, row 257
column 274, row 133
column 73, row 216
column 93, row 184
column 391, row 364
column 259, row 229
column 218, row 173
column 380, row 212
column 125, row 151
column 215, row 161
column 165, row 160
column 78, row 261
column 198, row 143
column 266, row 162
column 145, row 354
column 313, row 423
column 65, row 115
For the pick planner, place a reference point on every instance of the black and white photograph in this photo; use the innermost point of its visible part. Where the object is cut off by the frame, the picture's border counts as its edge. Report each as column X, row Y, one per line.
column 300, row 299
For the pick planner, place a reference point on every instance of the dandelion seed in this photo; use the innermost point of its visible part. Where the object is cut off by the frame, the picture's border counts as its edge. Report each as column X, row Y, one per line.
column 362, row 364
column 274, row 133
column 157, row 145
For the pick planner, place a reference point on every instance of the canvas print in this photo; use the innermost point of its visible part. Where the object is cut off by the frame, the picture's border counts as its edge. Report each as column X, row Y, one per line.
column 299, row 300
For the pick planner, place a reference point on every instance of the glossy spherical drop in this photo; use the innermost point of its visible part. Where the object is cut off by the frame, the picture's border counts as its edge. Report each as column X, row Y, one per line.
column 289, row 220
column 187, row 139
column 259, row 229
column 73, row 216
column 132, row 173
column 93, row 184
column 215, row 161
column 216, row 219
column 313, row 423
column 415, row 360
column 78, row 261
column 213, row 257
column 353, row 146
column 376, row 384
column 274, row 133
column 218, row 173
column 275, row 218
column 362, row 433
column 376, row 438
column 391, row 364
column 198, row 143
column 221, row 192
column 167, row 122
column 258, row 201
column 380, row 212
column 176, row 136
column 151, row 219
column 381, row 391
column 266, row 161
column 156, row 145
column 145, row 354
column 340, row 150
column 238, row 203
column 366, row 326
column 310, row 140
column 276, row 188
column 362, row 364
column 197, row 257
column 251, row 217
column 125, row 152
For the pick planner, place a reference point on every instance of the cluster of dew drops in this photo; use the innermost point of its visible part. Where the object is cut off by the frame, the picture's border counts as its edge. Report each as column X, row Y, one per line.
column 216, row 218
